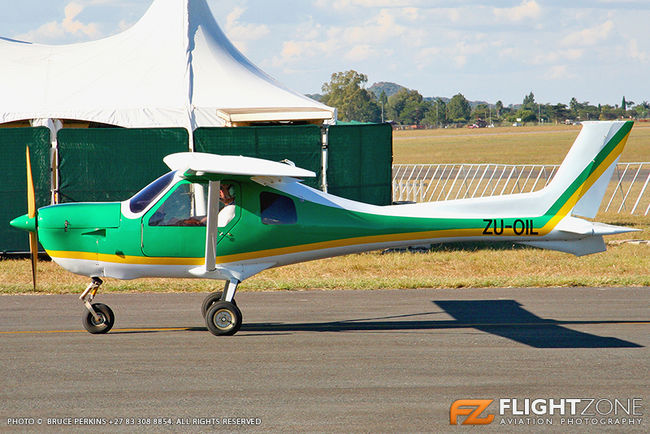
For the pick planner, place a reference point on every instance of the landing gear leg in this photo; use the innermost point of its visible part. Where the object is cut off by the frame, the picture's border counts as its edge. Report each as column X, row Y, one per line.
column 100, row 318
column 223, row 317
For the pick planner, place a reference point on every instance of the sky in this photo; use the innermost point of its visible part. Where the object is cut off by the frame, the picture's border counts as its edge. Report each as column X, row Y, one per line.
column 594, row 50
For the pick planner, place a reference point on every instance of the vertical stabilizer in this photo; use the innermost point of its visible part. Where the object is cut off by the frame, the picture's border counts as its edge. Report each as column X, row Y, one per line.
column 582, row 178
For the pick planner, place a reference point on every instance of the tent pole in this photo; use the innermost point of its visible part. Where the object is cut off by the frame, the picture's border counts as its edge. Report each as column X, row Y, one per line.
column 324, row 148
column 54, row 125
column 190, row 138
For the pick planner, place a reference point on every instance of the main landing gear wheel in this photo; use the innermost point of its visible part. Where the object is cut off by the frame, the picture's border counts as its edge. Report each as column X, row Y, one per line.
column 223, row 318
column 105, row 322
column 211, row 299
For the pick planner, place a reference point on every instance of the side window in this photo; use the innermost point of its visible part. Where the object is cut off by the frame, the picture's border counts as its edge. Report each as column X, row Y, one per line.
column 277, row 209
column 227, row 201
column 186, row 206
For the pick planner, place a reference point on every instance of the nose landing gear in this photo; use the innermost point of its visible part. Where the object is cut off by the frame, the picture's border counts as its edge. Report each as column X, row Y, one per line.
column 100, row 317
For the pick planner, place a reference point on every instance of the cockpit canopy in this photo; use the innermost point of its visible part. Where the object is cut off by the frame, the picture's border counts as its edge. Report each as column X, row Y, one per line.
column 143, row 198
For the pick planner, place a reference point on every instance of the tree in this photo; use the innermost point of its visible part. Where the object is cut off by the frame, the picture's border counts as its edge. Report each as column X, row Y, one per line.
column 642, row 110
column 345, row 91
column 407, row 106
column 574, row 105
column 583, row 110
column 481, row 111
column 458, row 109
column 608, row 113
column 558, row 112
column 529, row 101
column 436, row 116
column 526, row 115
column 499, row 108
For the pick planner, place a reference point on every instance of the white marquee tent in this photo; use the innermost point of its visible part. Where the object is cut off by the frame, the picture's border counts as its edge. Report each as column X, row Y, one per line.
column 173, row 68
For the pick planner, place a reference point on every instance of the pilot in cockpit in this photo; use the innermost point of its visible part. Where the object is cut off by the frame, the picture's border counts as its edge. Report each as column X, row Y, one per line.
column 181, row 208
column 227, row 197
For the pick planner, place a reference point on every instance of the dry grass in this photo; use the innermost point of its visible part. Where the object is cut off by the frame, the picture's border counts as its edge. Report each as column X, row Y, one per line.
column 508, row 145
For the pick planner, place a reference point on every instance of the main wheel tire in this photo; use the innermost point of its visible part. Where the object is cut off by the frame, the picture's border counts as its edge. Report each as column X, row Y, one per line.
column 106, row 316
column 211, row 299
column 223, row 318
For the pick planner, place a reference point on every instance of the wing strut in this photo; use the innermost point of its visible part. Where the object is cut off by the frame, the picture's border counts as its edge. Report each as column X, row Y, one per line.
column 211, row 226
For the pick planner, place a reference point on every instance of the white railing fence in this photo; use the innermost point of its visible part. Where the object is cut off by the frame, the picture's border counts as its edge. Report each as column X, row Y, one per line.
column 628, row 191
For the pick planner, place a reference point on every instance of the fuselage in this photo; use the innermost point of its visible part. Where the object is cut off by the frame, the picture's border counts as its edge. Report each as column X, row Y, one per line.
column 274, row 225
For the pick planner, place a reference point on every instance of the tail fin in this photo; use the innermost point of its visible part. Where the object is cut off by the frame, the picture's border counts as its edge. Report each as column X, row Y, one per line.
column 583, row 176
column 579, row 186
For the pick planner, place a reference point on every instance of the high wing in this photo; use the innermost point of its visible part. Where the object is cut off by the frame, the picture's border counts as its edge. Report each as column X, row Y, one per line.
column 200, row 164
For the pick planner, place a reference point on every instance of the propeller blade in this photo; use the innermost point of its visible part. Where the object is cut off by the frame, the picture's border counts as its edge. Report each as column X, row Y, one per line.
column 31, row 195
column 33, row 248
column 31, row 213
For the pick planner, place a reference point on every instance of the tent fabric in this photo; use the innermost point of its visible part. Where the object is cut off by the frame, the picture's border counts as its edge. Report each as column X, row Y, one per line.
column 173, row 68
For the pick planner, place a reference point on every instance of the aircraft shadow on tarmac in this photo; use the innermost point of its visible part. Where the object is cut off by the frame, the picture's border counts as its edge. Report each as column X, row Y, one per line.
column 505, row 318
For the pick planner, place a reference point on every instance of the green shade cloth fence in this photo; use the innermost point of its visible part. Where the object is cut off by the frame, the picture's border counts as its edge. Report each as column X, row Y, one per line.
column 112, row 164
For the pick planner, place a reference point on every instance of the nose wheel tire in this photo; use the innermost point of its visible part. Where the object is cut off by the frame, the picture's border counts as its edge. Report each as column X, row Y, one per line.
column 106, row 319
column 223, row 318
column 211, row 299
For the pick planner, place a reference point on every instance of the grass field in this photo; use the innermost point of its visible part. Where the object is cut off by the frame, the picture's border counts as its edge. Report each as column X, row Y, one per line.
column 507, row 145
column 457, row 266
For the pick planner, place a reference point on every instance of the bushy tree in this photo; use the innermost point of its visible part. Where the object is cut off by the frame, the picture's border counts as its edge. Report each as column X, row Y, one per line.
column 436, row 116
column 529, row 102
column 558, row 113
column 481, row 111
column 642, row 110
column 346, row 92
column 407, row 107
column 458, row 109
column 499, row 108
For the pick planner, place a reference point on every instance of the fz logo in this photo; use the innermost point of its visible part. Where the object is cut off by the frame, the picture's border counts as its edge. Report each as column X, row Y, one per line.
column 472, row 408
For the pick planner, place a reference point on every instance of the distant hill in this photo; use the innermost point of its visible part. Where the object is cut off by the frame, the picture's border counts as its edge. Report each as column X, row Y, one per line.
column 385, row 86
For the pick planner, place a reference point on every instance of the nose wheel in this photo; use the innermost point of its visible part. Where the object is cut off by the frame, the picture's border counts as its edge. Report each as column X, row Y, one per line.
column 100, row 318
column 101, row 322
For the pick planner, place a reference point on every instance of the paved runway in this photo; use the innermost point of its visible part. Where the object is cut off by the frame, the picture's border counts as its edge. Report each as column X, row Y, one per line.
column 343, row 361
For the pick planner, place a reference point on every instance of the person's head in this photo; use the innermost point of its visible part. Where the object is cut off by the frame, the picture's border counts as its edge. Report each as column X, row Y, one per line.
column 227, row 193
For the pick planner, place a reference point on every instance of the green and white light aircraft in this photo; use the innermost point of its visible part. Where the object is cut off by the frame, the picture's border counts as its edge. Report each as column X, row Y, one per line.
column 174, row 228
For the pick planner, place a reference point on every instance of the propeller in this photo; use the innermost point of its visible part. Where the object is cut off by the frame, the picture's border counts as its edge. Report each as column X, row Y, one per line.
column 31, row 213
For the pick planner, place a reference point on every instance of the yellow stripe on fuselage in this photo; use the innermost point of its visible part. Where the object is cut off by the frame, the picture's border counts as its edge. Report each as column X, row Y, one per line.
column 301, row 248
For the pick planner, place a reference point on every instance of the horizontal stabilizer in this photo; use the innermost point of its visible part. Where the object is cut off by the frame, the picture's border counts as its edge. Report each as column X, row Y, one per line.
column 572, row 225
column 605, row 229
column 584, row 246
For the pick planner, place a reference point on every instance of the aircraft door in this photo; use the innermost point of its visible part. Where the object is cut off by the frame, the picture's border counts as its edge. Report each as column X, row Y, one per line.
column 176, row 225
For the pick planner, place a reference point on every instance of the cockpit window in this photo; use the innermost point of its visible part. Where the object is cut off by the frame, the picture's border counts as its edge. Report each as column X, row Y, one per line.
column 186, row 206
column 277, row 209
column 144, row 197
